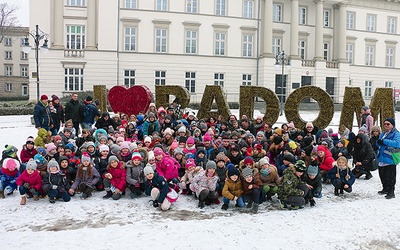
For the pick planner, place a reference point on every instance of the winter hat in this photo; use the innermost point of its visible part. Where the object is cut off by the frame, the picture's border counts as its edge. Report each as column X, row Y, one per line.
column 89, row 143
column 112, row 158
column 312, row 170
column 148, row 170
column 31, row 164
column 10, row 151
column 39, row 159
column 110, row 130
column 258, row 147
column 11, row 164
column 168, row 131
column 182, row 139
column 53, row 163
column 89, row 98
column 309, row 124
column 330, row 131
column 207, row 137
column 85, row 157
column 218, row 143
column 174, row 145
column 263, row 161
column 178, row 151
column 211, row 164
column 103, row 148
column 391, row 120
column 292, row 145
column 132, row 146
column 50, row 147
column 220, row 157
column 277, row 140
column 182, row 129
column 54, row 97
column 44, row 97
column 151, row 114
column 247, row 172
column 62, row 158
column 150, row 155
column 230, row 165
column 341, row 141
column 190, row 163
column 158, row 151
column 114, row 148
column 190, row 140
column 190, row 155
column 289, row 157
column 119, row 139
column 233, row 171
column 136, row 156
column 290, row 125
column 365, row 108
column 234, row 147
column 278, row 131
column 147, row 139
column 68, row 146
column 124, row 144
column 300, row 166
column 30, row 140
column 248, row 160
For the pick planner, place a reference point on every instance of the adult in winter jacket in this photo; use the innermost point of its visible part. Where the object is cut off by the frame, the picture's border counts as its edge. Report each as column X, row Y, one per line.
column 363, row 155
column 388, row 139
column 42, row 114
column 366, row 120
column 89, row 112
column 72, row 111
column 105, row 121
column 58, row 115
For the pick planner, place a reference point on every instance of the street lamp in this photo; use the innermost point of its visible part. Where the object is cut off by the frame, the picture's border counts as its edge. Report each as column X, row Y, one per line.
column 37, row 36
column 284, row 59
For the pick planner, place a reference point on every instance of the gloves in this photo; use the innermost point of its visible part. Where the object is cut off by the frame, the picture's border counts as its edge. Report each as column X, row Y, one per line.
column 155, row 204
column 54, row 187
column 32, row 190
column 26, row 185
column 380, row 142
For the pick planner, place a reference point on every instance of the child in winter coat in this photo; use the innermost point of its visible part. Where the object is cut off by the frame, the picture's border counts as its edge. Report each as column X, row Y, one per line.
column 258, row 152
column 204, row 185
column 42, row 138
column 269, row 178
column 313, row 180
column 251, row 189
column 341, row 176
column 41, row 163
column 325, row 160
column 51, row 150
column 29, row 182
column 190, row 148
column 55, row 184
column 86, row 178
column 166, row 166
column 221, row 171
column 125, row 154
column 28, row 150
column 292, row 189
column 157, row 187
column 66, row 169
column 115, row 178
column 232, row 190
column 201, row 157
column 8, row 176
column 135, row 175
column 187, row 178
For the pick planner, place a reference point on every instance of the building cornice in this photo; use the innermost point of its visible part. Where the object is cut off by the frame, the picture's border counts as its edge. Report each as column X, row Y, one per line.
column 393, row 5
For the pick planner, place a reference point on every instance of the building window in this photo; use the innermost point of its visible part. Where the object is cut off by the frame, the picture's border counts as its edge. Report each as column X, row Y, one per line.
column 131, row 4
column 191, row 6
column 302, row 49
column 388, row 84
column 390, row 57
column 277, row 12
column 349, row 52
column 8, row 87
column 350, row 18
column 73, row 79
column 248, row 8
column 162, row 5
column 24, row 56
column 191, row 42
column 246, row 79
column 326, row 51
column 219, row 79
column 7, row 41
column 302, row 15
column 370, row 55
column 190, row 81
column 220, row 8
column 371, row 22
column 160, row 77
column 8, row 70
column 8, row 55
column 276, row 45
column 24, row 71
column 220, row 39
column 129, row 77
column 25, row 90
column 161, row 40
column 130, row 39
column 247, row 45
column 327, row 18
column 391, row 26
column 80, row 3
column 75, row 37
column 368, row 89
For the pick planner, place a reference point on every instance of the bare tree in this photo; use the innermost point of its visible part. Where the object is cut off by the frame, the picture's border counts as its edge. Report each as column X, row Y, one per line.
column 8, row 18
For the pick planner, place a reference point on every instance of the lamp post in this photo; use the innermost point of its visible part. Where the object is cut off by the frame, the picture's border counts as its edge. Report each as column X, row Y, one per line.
column 37, row 36
column 284, row 59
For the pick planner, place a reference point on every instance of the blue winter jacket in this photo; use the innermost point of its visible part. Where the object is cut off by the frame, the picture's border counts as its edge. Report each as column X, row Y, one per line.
column 93, row 112
column 157, row 182
column 391, row 140
column 42, row 116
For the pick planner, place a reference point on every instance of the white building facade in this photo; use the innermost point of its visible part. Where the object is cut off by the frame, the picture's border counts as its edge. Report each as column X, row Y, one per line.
column 194, row 43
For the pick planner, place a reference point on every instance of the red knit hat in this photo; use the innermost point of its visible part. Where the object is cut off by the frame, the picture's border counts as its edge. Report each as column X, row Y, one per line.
column 248, row 160
column 258, row 147
column 136, row 156
column 44, row 97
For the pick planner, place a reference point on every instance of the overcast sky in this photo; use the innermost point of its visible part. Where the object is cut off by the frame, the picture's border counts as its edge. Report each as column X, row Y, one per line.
column 23, row 12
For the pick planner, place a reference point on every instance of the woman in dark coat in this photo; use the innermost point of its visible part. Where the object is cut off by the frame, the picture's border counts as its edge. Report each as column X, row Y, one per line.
column 363, row 155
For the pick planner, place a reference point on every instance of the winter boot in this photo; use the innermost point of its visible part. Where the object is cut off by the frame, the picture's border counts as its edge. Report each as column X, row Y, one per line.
column 2, row 194
column 23, row 200
column 52, row 200
column 283, row 204
column 225, row 206
column 383, row 192
column 336, row 191
column 390, row 194
column 108, row 195
column 254, row 209
column 368, row 176
column 84, row 196
column 207, row 202
column 202, row 197
column 249, row 204
column 201, row 204
column 341, row 191
column 36, row 197
column 133, row 195
column 217, row 201
column 312, row 202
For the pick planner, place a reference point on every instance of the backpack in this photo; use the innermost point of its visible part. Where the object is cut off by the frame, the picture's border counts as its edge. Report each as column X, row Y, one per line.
column 86, row 111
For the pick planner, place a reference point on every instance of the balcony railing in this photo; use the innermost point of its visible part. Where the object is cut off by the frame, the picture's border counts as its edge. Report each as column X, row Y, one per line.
column 332, row 64
column 74, row 53
column 308, row 63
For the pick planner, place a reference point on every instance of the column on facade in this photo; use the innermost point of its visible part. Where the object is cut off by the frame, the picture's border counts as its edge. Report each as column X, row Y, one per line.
column 91, row 25
column 342, row 32
column 319, row 35
column 58, row 25
column 267, row 25
column 294, row 30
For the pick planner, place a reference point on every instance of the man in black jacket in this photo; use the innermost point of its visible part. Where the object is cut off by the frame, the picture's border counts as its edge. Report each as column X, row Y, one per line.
column 73, row 112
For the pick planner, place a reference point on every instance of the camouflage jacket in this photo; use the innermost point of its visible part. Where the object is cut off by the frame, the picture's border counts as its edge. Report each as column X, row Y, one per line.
column 289, row 184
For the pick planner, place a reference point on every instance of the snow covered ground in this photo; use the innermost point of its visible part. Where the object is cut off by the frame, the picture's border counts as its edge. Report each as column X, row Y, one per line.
column 360, row 220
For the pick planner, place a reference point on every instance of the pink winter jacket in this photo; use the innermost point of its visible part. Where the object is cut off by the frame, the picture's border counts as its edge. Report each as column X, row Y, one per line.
column 34, row 179
column 167, row 167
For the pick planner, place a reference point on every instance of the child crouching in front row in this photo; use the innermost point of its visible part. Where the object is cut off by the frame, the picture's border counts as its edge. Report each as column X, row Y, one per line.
column 313, row 180
column 29, row 182
column 86, row 177
column 341, row 176
column 157, row 187
column 55, row 184
column 232, row 190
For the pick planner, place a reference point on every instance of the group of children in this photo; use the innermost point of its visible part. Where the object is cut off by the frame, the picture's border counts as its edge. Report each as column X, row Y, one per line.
column 208, row 159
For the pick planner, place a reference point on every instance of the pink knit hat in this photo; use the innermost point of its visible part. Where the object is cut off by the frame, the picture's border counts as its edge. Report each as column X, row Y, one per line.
column 207, row 137
column 190, row 163
column 174, row 145
column 190, row 140
column 158, row 151
column 124, row 144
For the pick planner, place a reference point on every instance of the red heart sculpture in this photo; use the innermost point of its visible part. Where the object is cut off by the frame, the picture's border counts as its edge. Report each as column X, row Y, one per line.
column 131, row 100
